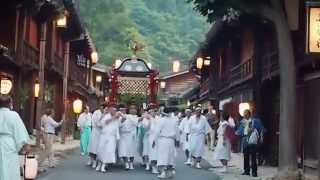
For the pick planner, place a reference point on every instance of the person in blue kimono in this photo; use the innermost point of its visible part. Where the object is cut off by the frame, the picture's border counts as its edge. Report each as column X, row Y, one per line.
column 84, row 124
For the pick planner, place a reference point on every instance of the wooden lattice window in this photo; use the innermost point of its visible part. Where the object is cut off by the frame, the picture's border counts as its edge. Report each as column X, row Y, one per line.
column 133, row 85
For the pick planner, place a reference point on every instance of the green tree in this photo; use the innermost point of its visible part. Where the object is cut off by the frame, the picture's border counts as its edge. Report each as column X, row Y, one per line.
column 169, row 29
column 273, row 11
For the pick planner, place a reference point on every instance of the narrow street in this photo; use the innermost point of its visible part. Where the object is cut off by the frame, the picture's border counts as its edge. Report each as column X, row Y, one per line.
column 74, row 167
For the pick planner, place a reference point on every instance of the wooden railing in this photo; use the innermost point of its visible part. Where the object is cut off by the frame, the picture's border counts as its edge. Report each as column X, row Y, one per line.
column 270, row 65
column 241, row 72
column 58, row 63
column 30, row 55
column 77, row 73
column 204, row 87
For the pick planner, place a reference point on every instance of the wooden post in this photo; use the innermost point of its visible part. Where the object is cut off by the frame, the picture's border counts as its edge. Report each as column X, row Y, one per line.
column 65, row 90
column 43, row 32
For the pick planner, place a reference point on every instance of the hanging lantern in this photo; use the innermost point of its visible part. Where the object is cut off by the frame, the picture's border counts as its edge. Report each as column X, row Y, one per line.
column 5, row 86
column 176, row 66
column 243, row 107
column 36, row 89
column 77, row 106
column 207, row 61
column 313, row 27
column 199, row 62
column 62, row 21
column 94, row 57
column 31, row 167
column 118, row 63
column 188, row 103
column 162, row 84
column 98, row 79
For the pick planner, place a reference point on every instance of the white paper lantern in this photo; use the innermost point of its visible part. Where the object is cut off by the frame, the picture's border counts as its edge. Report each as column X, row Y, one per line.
column 31, row 167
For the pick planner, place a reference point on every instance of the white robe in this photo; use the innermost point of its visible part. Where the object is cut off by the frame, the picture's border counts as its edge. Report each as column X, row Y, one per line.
column 146, row 143
column 108, row 140
column 13, row 135
column 222, row 152
column 127, row 146
column 96, row 131
column 166, row 134
column 199, row 128
column 184, row 128
column 84, row 120
column 154, row 123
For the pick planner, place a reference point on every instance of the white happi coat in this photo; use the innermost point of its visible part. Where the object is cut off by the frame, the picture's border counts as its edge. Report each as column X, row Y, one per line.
column 96, row 131
column 13, row 135
column 108, row 139
column 127, row 146
column 199, row 128
column 146, row 123
column 222, row 152
column 166, row 134
column 184, row 128
column 154, row 123
column 84, row 120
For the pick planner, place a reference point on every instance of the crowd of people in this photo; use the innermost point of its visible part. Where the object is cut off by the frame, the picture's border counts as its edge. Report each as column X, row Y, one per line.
column 117, row 135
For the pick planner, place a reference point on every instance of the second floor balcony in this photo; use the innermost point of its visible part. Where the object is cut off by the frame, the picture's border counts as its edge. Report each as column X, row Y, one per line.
column 241, row 72
column 77, row 73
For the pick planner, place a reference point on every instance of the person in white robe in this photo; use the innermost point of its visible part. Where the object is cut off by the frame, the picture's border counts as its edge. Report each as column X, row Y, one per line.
column 95, row 135
column 222, row 151
column 108, row 139
column 128, row 125
column 84, row 123
column 153, row 144
column 14, row 140
column 184, row 128
column 167, row 136
column 199, row 130
column 146, row 123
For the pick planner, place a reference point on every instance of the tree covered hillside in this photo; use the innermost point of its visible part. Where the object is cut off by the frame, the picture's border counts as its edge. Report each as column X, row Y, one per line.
column 170, row 29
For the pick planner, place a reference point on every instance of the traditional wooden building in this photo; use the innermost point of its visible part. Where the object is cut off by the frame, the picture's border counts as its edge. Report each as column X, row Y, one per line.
column 20, row 39
column 244, row 68
column 177, row 88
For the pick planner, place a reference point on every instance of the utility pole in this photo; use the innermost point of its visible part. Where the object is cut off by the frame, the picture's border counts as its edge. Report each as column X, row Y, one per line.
column 43, row 33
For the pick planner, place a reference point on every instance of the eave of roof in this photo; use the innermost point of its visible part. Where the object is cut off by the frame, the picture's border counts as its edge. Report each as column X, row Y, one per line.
column 168, row 76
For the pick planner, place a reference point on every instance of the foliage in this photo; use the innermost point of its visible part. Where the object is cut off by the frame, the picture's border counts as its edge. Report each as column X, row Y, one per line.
column 128, row 99
column 217, row 9
column 169, row 29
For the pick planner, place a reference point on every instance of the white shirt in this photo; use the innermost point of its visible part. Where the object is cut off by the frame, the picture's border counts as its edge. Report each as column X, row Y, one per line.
column 199, row 125
column 184, row 125
column 246, row 126
column 50, row 125
column 168, row 128
column 130, row 124
column 96, row 118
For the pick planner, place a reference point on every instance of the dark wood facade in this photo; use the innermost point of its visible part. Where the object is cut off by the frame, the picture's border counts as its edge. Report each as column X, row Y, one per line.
column 178, row 87
column 19, row 57
column 245, row 68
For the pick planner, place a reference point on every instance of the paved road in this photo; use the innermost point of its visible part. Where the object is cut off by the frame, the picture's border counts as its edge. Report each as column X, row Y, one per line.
column 73, row 168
